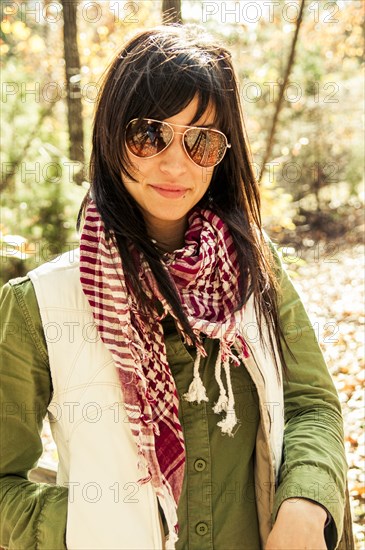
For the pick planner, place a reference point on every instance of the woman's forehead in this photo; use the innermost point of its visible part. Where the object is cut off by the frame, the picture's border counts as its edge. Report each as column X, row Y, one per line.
column 208, row 117
column 193, row 114
column 202, row 113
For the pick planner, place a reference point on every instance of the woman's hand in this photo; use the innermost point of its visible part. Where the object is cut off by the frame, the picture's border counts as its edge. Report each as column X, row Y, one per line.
column 299, row 526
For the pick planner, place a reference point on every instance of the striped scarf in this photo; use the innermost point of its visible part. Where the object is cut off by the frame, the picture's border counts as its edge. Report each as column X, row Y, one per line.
column 205, row 274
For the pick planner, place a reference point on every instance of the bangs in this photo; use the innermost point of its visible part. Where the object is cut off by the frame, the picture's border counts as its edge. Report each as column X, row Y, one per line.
column 168, row 84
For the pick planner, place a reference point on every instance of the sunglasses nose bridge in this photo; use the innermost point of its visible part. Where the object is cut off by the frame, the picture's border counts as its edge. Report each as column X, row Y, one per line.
column 174, row 137
column 175, row 133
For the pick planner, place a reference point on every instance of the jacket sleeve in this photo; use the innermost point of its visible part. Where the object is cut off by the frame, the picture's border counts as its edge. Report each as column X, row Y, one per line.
column 314, row 463
column 33, row 515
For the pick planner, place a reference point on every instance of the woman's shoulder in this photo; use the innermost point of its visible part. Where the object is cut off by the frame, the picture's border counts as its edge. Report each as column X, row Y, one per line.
column 68, row 261
column 22, row 325
column 57, row 282
column 51, row 284
column 24, row 286
column 16, row 293
column 19, row 289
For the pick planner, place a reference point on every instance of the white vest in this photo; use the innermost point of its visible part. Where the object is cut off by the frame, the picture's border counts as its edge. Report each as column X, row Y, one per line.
column 107, row 509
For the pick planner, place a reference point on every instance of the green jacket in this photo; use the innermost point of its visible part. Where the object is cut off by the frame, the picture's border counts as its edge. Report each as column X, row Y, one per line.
column 217, row 509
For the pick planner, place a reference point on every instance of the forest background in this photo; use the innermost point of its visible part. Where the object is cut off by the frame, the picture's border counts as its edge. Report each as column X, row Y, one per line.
column 300, row 68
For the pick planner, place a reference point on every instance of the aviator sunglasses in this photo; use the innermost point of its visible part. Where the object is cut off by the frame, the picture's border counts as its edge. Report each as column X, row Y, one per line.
column 147, row 138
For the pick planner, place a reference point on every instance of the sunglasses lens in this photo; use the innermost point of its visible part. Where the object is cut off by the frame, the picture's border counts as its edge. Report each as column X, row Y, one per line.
column 146, row 138
column 205, row 147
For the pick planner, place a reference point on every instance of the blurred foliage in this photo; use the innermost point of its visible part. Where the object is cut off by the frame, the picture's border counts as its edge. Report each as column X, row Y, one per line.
column 317, row 162
column 316, row 171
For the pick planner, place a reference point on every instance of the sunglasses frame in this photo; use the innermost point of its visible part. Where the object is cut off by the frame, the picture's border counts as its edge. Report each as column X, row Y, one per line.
column 170, row 125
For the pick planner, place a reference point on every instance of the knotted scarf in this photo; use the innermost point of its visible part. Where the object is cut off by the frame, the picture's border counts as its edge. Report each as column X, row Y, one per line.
column 205, row 273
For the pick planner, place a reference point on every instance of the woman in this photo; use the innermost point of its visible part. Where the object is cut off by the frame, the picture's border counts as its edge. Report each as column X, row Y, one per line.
column 171, row 347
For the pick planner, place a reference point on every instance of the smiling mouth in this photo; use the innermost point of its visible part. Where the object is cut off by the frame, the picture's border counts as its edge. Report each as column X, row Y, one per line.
column 169, row 192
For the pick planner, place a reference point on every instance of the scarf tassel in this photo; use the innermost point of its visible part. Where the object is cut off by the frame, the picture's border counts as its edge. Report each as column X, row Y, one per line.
column 224, row 403
column 196, row 390
column 228, row 423
column 170, row 542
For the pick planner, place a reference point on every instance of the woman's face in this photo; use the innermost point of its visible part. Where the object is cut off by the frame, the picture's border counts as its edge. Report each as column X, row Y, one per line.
column 169, row 185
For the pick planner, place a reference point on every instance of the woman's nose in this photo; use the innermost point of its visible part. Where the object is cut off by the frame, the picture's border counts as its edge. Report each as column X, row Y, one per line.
column 174, row 159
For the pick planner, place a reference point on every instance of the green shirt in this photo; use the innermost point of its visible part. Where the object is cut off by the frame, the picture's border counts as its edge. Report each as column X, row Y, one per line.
column 217, row 509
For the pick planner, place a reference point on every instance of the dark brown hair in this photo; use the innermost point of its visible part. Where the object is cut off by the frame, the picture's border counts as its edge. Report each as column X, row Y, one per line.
column 156, row 75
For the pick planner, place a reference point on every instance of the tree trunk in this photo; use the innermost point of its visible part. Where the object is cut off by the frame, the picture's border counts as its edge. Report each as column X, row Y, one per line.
column 73, row 84
column 270, row 141
column 171, row 12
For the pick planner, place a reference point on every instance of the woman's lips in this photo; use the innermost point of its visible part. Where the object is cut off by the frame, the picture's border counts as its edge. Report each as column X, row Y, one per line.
column 169, row 192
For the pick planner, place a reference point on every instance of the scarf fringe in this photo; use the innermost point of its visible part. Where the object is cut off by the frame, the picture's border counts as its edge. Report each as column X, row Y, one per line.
column 196, row 390
column 225, row 403
column 228, row 423
column 168, row 506
column 222, row 403
column 230, row 420
column 170, row 541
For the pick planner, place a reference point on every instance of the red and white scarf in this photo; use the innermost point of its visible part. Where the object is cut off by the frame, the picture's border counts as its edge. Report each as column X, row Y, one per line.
column 205, row 273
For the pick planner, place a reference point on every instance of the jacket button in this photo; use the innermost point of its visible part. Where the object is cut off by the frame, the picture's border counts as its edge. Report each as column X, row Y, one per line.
column 201, row 528
column 200, row 465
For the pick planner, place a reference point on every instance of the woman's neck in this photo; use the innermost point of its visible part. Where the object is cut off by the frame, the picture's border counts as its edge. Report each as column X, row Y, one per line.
column 168, row 234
